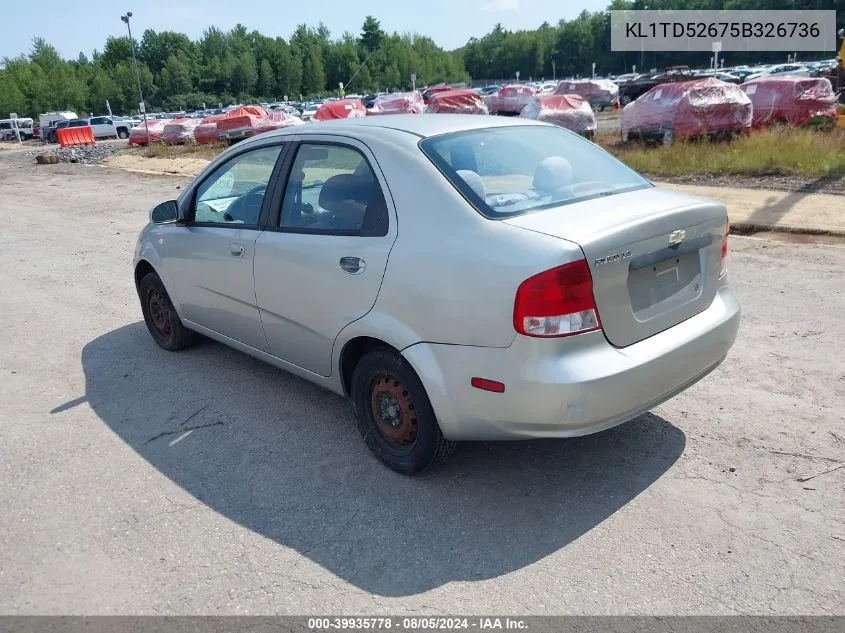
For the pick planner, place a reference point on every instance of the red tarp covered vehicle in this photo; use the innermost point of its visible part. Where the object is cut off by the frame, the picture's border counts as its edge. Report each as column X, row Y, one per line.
column 206, row 131
column 248, row 121
column 432, row 90
column 599, row 93
column 398, row 103
column 138, row 135
column 464, row 101
column 570, row 111
column 340, row 109
column 791, row 100
column 510, row 99
column 687, row 109
column 179, row 131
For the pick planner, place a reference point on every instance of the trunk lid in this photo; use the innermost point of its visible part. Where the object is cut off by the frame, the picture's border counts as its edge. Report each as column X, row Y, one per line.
column 654, row 255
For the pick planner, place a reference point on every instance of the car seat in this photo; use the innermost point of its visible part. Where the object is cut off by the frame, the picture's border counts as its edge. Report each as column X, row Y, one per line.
column 551, row 174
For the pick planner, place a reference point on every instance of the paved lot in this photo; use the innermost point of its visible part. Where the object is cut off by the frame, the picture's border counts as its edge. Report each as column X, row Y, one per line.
column 108, row 505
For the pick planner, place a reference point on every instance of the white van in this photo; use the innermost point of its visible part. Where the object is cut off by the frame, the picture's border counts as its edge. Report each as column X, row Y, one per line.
column 23, row 124
column 49, row 119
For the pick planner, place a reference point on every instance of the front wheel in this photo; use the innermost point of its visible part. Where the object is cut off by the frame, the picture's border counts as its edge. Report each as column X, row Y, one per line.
column 161, row 318
column 122, row 134
column 394, row 414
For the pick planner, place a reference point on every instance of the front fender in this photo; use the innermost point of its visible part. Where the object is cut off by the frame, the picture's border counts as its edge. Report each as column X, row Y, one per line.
column 150, row 248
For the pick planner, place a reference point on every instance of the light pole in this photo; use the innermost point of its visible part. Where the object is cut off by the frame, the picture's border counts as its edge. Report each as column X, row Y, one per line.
column 141, row 106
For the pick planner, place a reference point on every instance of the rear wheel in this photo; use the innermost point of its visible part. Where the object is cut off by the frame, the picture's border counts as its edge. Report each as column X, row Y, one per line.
column 394, row 414
column 161, row 318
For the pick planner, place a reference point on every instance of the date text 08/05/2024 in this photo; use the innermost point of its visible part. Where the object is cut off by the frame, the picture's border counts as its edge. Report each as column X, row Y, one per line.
column 416, row 623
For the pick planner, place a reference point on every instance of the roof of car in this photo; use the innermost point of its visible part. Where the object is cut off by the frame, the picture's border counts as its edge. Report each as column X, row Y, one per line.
column 422, row 125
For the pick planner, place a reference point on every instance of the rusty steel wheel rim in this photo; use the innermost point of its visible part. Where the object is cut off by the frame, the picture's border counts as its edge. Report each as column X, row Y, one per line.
column 159, row 313
column 393, row 410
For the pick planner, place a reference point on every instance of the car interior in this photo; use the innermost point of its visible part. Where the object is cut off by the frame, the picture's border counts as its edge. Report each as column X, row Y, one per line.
column 342, row 202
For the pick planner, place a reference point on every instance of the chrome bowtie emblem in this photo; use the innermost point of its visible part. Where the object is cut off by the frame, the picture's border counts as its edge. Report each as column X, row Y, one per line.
column 676, row 237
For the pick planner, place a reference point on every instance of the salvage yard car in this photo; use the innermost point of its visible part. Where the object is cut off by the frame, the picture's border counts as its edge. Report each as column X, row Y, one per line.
column 689, row 109
column 459, row 278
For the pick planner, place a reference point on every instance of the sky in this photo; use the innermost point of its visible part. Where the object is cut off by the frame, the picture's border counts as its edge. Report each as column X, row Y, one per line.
column 82, row 27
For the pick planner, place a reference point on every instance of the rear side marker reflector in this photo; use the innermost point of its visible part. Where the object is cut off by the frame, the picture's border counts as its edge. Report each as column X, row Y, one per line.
column 488, row 385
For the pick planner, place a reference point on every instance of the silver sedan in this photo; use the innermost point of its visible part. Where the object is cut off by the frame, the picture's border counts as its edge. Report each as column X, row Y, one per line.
column 458, row 277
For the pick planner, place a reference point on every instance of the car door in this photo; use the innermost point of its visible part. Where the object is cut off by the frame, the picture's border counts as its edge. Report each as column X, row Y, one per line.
column 97, row 126
column 210, row 259
column 320, row 261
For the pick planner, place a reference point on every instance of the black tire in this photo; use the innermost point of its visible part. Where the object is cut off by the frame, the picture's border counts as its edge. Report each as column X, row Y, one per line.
column 406, row 436
column 160, row 316
column 122, row 134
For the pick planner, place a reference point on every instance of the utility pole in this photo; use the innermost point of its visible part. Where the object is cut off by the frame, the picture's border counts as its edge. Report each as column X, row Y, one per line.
column 141, row 106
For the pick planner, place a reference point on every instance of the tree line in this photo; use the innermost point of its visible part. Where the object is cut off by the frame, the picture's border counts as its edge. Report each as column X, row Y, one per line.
column 239, row 66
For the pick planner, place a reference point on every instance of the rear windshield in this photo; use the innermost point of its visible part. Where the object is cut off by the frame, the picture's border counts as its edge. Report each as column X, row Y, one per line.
column 508, row 171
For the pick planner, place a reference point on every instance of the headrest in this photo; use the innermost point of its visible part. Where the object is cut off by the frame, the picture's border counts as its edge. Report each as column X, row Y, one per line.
column 346, row 193
column 474, row 181
column 552, row 173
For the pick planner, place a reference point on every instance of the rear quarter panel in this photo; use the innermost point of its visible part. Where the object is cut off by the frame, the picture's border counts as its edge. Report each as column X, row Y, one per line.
column 452, row 274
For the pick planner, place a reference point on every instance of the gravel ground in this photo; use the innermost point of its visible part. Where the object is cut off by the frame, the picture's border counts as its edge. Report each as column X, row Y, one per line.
column 88, row 155
column 109, row 506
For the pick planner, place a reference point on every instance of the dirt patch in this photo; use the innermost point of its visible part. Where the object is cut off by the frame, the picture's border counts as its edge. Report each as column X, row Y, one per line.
column 157, row 166
column 834, row 184
column 754, row 210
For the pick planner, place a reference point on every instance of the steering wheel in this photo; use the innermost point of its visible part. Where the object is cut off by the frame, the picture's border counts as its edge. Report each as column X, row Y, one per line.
column 247, row 208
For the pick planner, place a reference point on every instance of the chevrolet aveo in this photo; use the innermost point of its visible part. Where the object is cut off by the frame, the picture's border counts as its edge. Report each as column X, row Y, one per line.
column 458, row 277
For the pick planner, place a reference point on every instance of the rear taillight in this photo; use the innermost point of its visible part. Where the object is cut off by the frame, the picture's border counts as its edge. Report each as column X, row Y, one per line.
column 724, row 256
column 557, row 302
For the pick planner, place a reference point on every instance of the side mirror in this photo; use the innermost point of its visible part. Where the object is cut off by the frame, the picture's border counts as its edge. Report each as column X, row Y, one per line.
column 165, row 213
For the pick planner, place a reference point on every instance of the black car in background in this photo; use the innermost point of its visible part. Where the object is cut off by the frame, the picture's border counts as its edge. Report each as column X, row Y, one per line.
column 630, row 90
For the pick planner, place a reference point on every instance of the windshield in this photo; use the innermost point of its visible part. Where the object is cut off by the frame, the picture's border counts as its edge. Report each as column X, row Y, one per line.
column 509, row 171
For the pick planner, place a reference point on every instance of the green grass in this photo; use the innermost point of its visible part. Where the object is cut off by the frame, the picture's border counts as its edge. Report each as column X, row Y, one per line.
column 801, row 152
column 162, row 150
column 790, row 151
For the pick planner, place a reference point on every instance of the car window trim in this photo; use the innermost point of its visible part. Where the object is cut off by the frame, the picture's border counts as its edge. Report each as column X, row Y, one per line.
column 276, row 210
column 284, row 145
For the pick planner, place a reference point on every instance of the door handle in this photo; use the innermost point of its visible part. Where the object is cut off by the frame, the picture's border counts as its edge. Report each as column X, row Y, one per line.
column 352, row 265
column 236, row 250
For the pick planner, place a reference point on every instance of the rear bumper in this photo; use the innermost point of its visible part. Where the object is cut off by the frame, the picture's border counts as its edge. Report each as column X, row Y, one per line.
column 570, row 386
column 236, row 134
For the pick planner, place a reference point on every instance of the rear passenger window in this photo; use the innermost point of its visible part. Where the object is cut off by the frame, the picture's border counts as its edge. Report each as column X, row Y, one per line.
column 332, row 189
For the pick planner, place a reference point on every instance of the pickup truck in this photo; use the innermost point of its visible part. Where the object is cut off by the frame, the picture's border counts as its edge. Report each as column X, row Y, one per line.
column 110, row 126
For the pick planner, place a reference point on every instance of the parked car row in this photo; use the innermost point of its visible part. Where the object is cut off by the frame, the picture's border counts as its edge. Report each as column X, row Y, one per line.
column 633, row 85
column 111, row 126
column 711, row 107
